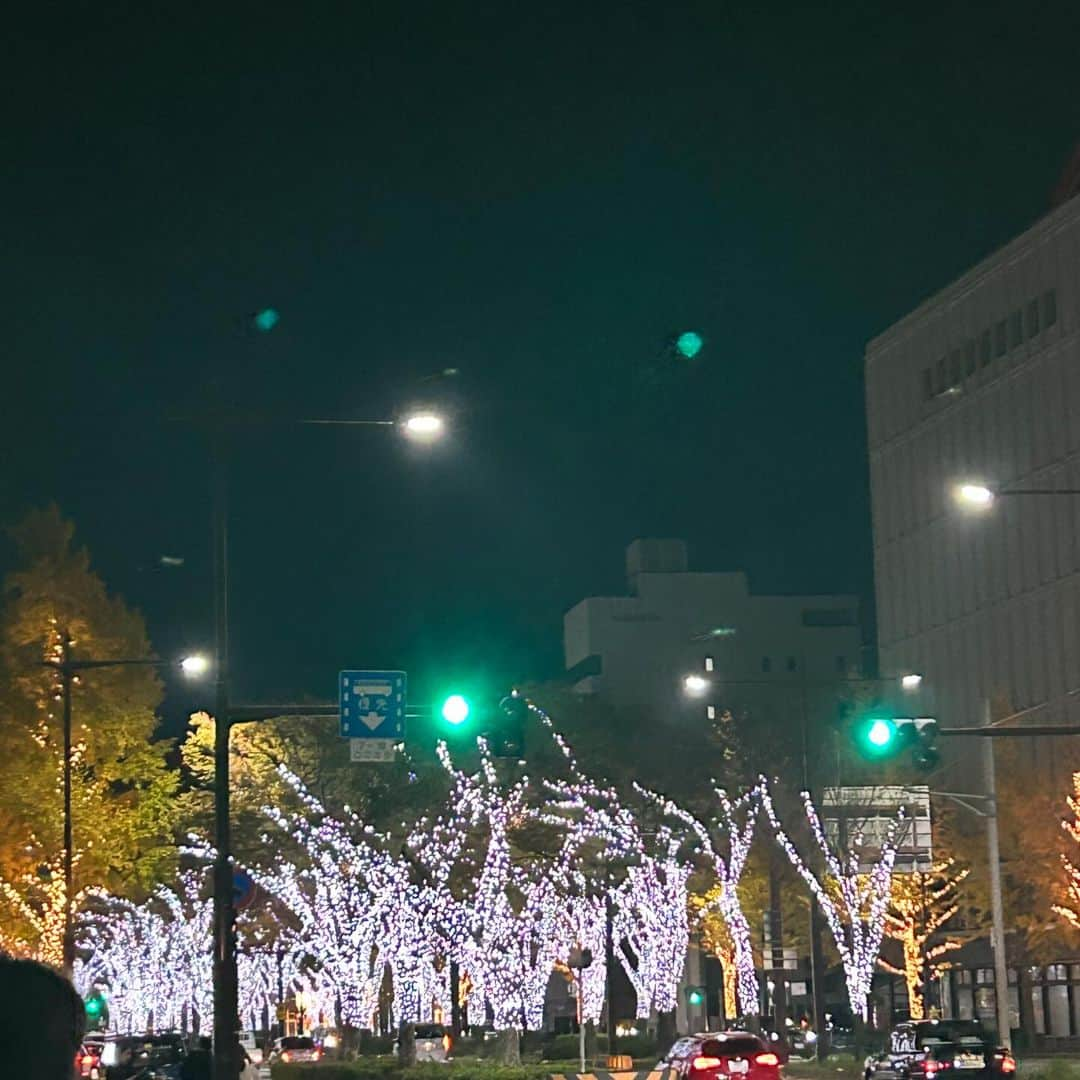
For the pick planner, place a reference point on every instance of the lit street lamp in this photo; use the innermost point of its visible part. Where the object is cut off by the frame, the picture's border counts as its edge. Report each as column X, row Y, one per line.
column 695, row 684
column 68, row 667
column 422, row 425
column 980, row 497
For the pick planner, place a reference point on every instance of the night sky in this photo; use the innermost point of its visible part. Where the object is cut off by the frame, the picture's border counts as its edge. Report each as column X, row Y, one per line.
column 536, row 195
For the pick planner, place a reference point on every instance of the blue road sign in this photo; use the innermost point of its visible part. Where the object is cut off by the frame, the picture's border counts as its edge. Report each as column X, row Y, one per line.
column 243, row 889
column 372, row 704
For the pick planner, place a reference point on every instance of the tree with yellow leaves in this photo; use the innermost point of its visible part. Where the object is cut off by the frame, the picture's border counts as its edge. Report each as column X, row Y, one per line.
column 1070, row 889
column 921, row 905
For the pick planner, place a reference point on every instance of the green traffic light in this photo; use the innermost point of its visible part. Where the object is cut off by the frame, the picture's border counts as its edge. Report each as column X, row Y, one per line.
column 695, row 997
column 455, row 710
column 93, row 1007
column 689, row 343
column 880, row 734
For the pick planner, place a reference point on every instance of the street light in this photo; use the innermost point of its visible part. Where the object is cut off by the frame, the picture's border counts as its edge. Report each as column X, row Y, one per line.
column 911, row 681
column 420, row 425
column 423, row 426
column 695, row 684
column 974, row 496
column 68, row 668
column 195, row 666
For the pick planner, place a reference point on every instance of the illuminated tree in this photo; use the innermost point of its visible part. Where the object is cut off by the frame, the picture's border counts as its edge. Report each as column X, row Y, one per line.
column 921, row 904
column 33, row 910
column 1070, row 890
column 123, row 805
column 853, row 902
column 726, row 843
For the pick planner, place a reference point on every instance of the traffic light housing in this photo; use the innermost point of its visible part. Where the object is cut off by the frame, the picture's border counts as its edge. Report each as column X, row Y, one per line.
column 463, row 716
column 455, row 710
column 695, row 996
column 878, row 736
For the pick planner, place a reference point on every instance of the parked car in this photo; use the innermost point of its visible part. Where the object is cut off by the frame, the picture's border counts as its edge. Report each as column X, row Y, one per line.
column 920, row 1049
column 720, row 1054
column 291, row 1048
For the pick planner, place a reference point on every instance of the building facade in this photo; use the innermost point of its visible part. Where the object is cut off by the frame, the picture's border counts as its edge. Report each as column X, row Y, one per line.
column 981, row 384
column 687, row 645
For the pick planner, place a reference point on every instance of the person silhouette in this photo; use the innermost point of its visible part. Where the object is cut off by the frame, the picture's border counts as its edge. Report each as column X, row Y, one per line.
column 52, row 1019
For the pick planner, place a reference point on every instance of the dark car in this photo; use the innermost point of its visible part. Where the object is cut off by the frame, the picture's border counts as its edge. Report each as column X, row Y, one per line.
column 723, row 1053
column 294, row 1048
column 142, row 1057
column 921, row 1049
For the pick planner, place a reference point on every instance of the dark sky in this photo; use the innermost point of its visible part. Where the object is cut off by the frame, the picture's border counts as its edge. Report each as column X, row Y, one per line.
column 538, row 195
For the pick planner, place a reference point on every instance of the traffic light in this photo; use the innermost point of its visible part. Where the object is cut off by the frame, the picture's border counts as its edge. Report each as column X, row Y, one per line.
column 455, row 710
column 695, row 996
column 97, row 1010
column 878, row 736
column 507, row 735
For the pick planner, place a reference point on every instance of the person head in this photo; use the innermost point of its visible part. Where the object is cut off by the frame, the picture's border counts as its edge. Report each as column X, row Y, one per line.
column 52, row 1019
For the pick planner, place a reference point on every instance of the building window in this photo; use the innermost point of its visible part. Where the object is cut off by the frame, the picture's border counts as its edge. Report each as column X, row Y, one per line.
column 963, row 978
column 829, row 617
column 1049, row 308
column 1032, row 327
column 791, row 664
column 927, row 384
column 708, row 663
column 1016, row 329
column 710, row 712
column 969, row 358
column 766, row 663
column 985, row 351
column 841, row 665
column 1001, row 342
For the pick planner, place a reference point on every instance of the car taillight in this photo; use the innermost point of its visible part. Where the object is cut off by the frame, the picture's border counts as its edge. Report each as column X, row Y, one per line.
column 88, row 1061
column 767, row 1059
column 447, row 1042
column 286, row 1056
column 706, row 1063
column 1008, row 1062
column 932, row 1068
column 318, row 1053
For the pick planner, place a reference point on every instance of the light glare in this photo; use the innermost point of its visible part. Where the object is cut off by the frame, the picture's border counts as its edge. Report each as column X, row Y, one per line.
column 911, row 681
column 424, row 426
column 194, row 666
column 975, row 496
column 695, row 684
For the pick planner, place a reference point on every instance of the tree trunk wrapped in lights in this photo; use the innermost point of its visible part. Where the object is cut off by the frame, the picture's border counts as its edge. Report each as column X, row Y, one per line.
column 920, row 906
column 853, row 902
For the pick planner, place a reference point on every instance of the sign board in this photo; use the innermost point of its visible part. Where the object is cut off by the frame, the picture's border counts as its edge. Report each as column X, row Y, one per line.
column 372, row 749
column 372, row 705
column 859, row 818
column 243, row 889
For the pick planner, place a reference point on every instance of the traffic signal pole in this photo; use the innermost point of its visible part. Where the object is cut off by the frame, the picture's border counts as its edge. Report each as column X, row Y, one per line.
column 989, row 811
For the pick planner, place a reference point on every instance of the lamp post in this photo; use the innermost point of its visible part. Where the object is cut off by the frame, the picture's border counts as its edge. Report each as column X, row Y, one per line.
column 420, row 425
column 68, row 667
column 980, row 497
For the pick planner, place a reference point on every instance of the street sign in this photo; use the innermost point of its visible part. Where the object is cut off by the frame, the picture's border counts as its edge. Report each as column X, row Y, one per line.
column 372, row 705
column 371, row 749
column 243, row 888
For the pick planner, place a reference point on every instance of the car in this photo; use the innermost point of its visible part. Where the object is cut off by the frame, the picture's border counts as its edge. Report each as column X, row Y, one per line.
column 291, row 1048
column 88, row 1062
column 125, row 1057
column 433, row 1042
column 921, row 1049
column 722, row 1053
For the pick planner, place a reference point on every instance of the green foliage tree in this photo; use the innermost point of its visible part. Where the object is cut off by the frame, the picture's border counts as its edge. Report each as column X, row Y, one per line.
column 123, row 789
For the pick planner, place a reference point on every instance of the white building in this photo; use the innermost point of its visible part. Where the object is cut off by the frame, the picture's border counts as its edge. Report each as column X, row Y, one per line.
column 982, row 383
column 637, row 649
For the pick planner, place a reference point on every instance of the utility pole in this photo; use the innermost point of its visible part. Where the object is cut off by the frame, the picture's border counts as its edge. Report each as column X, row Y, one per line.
column 69, row 855
column 226, row 980
column 997, row 940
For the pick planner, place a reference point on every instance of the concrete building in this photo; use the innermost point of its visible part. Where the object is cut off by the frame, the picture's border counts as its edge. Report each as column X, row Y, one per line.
column 982, row 383
column 637, row 649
